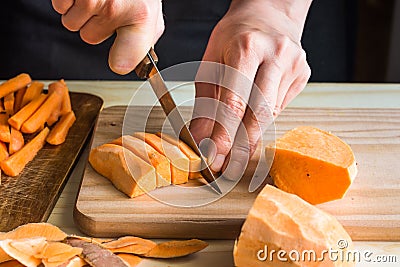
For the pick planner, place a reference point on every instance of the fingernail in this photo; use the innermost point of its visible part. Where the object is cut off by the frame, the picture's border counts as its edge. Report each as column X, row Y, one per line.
column 234, row 171
column 218, row 162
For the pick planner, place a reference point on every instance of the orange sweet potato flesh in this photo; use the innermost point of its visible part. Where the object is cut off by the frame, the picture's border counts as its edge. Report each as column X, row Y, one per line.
column 129, row 259
column 3, row 151
column 313, row 164
column 5, row 134
column 129, row 173
column 130, row 244
column 179, row 162
column 11, row 263
column 174, row 249
column 283, row 221
column 59, row 133
column 33, row 91
column 62, row 89
column 9, row 104
column 16, row 162
column 16, row 141
column 19, row 95
column 194, row 159
column 14, row 84
column 150, row 155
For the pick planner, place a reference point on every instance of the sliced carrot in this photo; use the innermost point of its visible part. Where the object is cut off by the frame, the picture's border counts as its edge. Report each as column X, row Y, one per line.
column 19, row 95
column 38, row 119
column 16, row 141
column 9, row 104
column 21, row 116
column 16, row 162
column 33, row 91
column 4, row 129
column 59, row 132
column 14, row 84
column 3, row 151
column 62, row 88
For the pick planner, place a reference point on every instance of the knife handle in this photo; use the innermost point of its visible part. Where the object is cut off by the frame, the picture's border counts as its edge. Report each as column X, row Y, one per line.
column 145, row 66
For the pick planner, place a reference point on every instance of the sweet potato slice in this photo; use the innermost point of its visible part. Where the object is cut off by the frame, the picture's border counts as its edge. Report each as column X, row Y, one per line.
column 9, row 104
column 46, row 230
column 25, row 250
column 26, row 112
column 179, row 162
column 194, row 159
column 11, row 263
column 19, row 95
column 58, row 134
column 16, row 162
column 33, row 91
column 16, row 141
column 174, row 249
column 282, row 221
column 313, row 164
column 5, row 134
column 129, row 259
column 61, row 88
column 129, row 173
column 150, row 155
column 14, row 84
column 57, row 253
column 130, row 244
column 3, row 151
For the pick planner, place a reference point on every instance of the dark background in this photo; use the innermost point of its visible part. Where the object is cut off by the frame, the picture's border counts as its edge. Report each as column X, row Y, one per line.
column 345, row 40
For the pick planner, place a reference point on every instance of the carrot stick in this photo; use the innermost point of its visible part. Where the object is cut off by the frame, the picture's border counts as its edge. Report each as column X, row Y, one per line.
column 16, row 141
column 40, row 116
column 14, row 84
column 59, row 132
column 33, row 91
column 3, row 151
column 2, row 106
column 9, row 104
column 4, row 128
column 21, row 116
column 19, row 95
column 16, row 162
column 61, row 87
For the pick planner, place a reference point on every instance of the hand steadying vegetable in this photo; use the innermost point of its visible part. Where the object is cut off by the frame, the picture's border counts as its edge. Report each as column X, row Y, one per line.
column 259, row 38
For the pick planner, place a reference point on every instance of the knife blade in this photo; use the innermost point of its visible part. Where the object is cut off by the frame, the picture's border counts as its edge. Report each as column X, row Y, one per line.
column 147, row 69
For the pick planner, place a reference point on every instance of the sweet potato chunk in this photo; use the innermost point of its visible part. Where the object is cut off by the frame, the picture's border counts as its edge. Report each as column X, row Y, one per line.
column 129, row 173
column 313, row 164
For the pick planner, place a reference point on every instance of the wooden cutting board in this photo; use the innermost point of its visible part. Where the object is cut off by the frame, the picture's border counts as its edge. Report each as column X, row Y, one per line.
column 31, row 196
column 369, row 211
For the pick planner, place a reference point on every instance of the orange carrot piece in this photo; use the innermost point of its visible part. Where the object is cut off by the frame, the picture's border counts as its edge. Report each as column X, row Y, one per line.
column 19, row 95
column 16, row 141
column 21, row 116
column 16, row 162
column 4, row 128
column 33, row 91
column 59, row 132
column 3, row 151
column 54, row 116
column 61, row 87
column 9, row 104
column 14, row 84
column 41, row 115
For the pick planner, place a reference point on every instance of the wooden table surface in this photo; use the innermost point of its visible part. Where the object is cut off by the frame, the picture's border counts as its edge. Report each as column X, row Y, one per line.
column 219, row 253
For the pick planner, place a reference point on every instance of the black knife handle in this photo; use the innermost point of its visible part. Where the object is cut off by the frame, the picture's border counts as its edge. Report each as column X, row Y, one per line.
column 145, row 66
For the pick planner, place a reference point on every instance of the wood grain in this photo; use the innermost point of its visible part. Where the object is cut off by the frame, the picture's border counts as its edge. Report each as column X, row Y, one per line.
column 31, row 196
column 369, row 211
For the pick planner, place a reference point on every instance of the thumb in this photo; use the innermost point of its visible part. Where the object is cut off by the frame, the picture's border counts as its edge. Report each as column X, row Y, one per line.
column 129, row 48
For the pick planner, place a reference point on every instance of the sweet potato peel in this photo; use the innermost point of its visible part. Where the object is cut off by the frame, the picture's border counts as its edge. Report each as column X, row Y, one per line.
column 131, row 245
column 174, row 249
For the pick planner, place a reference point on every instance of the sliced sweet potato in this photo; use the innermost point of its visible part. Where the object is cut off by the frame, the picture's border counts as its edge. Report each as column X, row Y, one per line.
column 9, row 104
column 179, row 162
column 282, row 221
column 4, row 128
column 194, row 159
column 131, row 245
column 14, row 84
column 46, row 230
column 3, row 151
column 16, row 141
column 150, row 155
column 14, row 165
column 129, row 259
column 129, row 173
column 57, row 253
column 313, row 164
column 59, row 133
column 11, row 263
column 61, row 88
column 19, row 95
column 74, row 262
column 174, row 249
column 33, row 91
column 24, row 250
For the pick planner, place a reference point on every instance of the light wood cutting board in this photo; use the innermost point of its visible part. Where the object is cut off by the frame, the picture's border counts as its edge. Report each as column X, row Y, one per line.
column 369, row 211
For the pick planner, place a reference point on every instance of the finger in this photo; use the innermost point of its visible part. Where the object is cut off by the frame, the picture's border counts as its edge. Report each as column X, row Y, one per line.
column 297, row 86
column 129, row 48
column 79, row 14
column 96, row 30
column 235, row 92
column 62, row 6
column 258, row 116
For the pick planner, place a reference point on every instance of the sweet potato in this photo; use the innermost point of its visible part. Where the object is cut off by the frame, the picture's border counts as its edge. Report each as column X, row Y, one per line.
column 11, row 263
column 46, row 230
column 19, row 95
column 313, row 164
column 32, row 92
column 150, row 155
column 3, row 151
column 179, row 162
column 54, row 116
column 5, row 134
column 24, row 250
column 62, row 89
column 14, row 84
column 57, row 253
column 60, row 131
column 16, row 162
column 130, row 244
column 9, row 104
column 129, row 173
column 282, row 221
column 129, row 259
column 194, row 159
column 16, row 141
column 26, row 112
column 174, row 249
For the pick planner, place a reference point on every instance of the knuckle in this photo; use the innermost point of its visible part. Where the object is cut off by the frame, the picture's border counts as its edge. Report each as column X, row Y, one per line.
column 110, row 9
column 87, row 5
column 283, row 44
column 243, row 47
column 223, row 141
column 236, row 106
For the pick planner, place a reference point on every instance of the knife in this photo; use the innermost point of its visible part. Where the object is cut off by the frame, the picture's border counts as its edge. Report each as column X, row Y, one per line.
column 147, row 69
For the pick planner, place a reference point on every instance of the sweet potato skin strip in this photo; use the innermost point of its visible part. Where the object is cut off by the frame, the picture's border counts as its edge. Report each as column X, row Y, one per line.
column 14, row 84
column 60, row 131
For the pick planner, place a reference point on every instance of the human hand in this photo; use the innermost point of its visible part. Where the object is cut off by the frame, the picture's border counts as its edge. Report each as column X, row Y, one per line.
column 261, row 40
column 138, row 23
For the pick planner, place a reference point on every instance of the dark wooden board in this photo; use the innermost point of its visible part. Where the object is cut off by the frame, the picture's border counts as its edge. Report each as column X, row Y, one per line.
column 369, row 211
column 31, row 196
